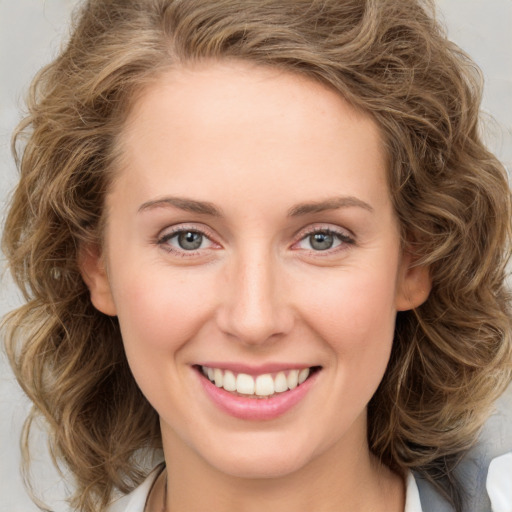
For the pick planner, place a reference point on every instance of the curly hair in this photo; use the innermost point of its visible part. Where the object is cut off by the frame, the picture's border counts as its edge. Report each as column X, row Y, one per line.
column 451, row 357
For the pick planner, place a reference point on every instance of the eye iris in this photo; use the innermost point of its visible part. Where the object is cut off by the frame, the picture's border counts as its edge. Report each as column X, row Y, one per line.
column 189, row 240
column 321, row 241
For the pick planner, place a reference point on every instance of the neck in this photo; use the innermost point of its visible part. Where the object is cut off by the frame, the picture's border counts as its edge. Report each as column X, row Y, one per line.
column 352, row 481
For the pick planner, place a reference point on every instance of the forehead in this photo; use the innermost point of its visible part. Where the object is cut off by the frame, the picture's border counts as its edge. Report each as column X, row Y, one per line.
column 207, row 91
column 251, row 126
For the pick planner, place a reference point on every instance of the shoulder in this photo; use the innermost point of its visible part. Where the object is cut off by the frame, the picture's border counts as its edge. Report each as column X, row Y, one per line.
column 486, row 471
column 136, row 500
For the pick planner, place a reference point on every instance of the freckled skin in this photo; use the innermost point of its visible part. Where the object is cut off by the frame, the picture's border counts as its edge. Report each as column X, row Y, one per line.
column 255, row 143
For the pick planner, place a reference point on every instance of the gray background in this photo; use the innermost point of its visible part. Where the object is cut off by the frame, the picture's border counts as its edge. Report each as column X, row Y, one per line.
column 31, row 32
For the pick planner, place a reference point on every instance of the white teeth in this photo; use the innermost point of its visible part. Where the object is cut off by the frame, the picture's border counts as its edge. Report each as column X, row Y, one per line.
column 218, row 377
column 245, row 384
column 229, row 381
column 280, row 383
column 303, row 375
column 262, row 386
column 293, row 379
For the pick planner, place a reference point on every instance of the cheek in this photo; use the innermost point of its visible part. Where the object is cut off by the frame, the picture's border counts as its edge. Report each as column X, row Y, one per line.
column 355, row 310
column 160, row 310
column 159, row 313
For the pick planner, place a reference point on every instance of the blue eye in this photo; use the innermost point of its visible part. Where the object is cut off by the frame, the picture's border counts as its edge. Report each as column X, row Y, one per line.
column 189, row 240
column 323, row 240
column 185, row 240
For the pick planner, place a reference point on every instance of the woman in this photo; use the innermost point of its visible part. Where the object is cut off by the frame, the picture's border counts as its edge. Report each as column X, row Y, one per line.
column 266, row 238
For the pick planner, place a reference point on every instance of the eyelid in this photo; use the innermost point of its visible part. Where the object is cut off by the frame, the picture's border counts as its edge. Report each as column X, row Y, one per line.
column 321, row 227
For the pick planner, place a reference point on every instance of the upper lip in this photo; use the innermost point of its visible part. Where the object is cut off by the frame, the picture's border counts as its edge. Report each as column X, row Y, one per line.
column 255, row 369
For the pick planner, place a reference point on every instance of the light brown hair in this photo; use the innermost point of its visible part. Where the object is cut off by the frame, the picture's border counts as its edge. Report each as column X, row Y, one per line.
column 451, row 357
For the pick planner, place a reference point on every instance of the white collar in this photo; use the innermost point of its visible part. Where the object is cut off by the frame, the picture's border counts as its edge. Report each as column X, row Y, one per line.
column 412, row 495
column 136, row 500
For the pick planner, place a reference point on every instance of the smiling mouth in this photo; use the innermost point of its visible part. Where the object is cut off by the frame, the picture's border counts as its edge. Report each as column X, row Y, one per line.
column 261, row 386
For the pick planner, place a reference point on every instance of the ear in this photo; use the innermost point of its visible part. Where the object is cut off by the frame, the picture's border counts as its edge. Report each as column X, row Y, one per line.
column 94, row 274
column 414, row 283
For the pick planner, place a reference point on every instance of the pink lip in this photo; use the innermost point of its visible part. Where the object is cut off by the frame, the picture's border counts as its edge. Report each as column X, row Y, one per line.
column 256, row 409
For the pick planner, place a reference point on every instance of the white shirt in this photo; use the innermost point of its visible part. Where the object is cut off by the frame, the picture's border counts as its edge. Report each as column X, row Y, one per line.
column 412, row 495
column 499, row 483
column 499, row 489
column 136, row 500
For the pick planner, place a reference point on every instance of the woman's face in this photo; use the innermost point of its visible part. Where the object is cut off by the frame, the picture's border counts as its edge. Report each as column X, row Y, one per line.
column 250, row 235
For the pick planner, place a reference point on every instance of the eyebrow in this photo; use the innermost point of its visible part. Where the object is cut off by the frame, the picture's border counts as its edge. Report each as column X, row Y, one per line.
column 188, row 205
column 206, row 208
column 328, row 204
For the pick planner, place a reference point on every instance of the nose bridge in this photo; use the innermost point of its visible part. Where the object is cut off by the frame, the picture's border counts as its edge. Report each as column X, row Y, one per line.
column 254, row 308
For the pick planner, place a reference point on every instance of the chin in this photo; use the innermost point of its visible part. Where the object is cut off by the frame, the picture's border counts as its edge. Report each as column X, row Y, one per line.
column 260, row 469
column 260, row 462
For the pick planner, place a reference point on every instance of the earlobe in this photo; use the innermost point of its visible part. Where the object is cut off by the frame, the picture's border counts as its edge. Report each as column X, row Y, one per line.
column 414, row 285
column 95, row 276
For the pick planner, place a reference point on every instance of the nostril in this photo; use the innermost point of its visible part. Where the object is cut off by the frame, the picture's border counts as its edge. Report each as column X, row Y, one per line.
column 255, row 324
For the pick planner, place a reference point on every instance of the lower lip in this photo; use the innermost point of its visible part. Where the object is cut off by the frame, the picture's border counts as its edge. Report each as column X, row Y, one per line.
column 256, row 409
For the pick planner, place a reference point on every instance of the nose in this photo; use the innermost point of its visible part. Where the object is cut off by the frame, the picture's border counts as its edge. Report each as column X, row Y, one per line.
column 254, row 307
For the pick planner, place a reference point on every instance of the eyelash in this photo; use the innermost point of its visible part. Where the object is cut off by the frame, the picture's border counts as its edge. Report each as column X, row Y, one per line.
column 342, row 237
